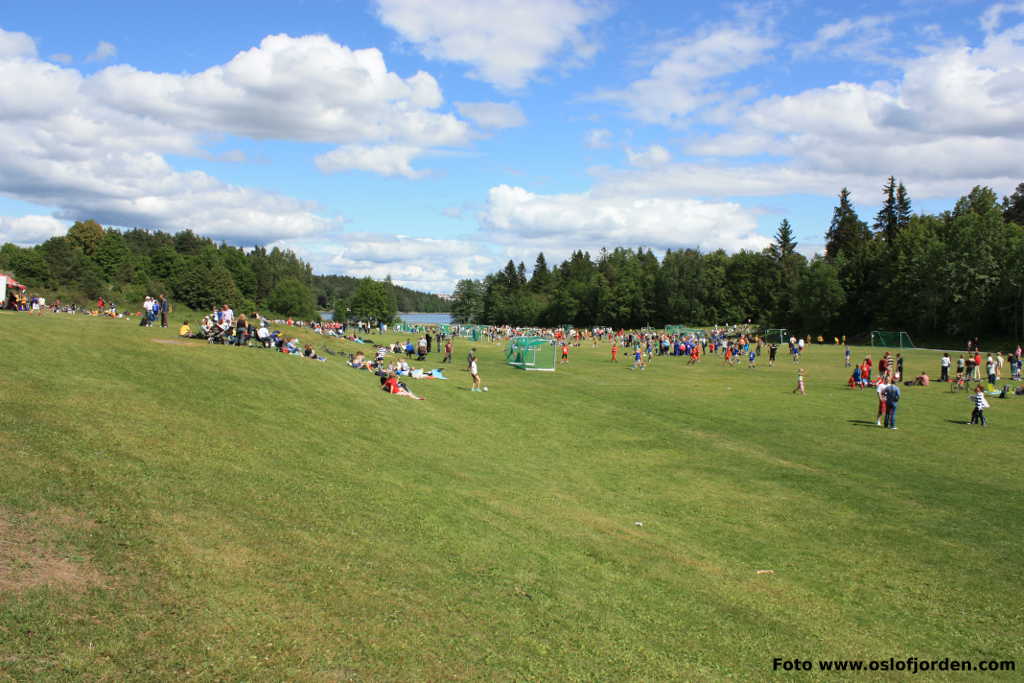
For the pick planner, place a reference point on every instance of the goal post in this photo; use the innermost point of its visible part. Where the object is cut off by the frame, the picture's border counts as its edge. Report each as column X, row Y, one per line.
column 779, row 335
column 530, row 353
column 892, row 339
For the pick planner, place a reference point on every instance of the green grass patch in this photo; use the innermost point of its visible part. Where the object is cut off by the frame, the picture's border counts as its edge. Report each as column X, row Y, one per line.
column 236, row 513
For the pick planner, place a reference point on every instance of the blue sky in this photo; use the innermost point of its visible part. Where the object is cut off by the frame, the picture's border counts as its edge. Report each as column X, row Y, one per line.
column 433, row 141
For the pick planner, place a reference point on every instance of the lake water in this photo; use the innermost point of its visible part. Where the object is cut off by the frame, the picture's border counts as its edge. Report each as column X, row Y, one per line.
column 411, row 318
column 426, row 318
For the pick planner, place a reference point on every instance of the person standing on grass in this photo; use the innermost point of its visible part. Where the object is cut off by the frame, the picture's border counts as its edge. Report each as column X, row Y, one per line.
column 448, row 351
column 772, row 350
column 475, row 374
column 471, row 359
column 164, row 305
column 892, row 399
column 944, row 367
column 980, row 403
column 800, row 387
column 565, row 352
column 846, row 356
column 615, row 352
column 882, row 387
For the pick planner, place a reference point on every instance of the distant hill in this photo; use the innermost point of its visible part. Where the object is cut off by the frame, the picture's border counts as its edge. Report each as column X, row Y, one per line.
column 330, row 288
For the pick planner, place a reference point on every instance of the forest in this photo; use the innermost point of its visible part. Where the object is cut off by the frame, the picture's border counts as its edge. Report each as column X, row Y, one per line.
column 957, row 273
column 91, row 261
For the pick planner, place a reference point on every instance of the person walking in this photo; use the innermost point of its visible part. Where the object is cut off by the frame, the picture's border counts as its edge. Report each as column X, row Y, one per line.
column 980, row 403
column 892, row 400
column 475, row 374
column 447, row 351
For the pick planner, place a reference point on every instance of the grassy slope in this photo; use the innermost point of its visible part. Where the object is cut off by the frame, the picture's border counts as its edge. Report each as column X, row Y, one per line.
column 255, row 512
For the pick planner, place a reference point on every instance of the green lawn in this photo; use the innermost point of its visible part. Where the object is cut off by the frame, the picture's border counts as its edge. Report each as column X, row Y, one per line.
column 170, row 511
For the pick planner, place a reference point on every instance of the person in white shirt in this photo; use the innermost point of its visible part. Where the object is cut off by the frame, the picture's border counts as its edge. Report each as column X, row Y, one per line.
column 474, row 374
column 883, row 384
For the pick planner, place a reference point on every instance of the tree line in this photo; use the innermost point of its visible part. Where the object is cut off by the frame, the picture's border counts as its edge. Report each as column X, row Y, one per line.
column 955, row 273
column 91, row 261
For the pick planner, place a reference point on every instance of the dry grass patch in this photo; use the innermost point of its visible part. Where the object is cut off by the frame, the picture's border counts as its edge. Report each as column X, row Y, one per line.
column 29, row 558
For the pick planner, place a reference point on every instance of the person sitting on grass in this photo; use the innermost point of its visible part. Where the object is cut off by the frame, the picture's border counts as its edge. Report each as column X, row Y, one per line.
column 185, row 331
column 392, row 386
column 309, row 352
column 855, row 378
column 922, row 380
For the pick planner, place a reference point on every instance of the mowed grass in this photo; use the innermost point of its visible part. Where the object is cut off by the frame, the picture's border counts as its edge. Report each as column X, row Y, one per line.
column 239, row 514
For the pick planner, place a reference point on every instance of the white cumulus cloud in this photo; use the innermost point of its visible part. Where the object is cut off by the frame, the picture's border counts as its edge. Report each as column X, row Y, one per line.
column 16, row 44
column 103, row 52
column 654, row 155
column 93, row 146
column 421, row 263
column 684, row 78
column 506, row 42
column 954, row 119
column 389, row 160
column 514, row 216
column 32, row 229
column 492, row 114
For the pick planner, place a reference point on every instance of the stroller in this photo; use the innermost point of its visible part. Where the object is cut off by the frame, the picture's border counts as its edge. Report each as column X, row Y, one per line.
column 263, row 335
column 216, row 334
column 958, row 383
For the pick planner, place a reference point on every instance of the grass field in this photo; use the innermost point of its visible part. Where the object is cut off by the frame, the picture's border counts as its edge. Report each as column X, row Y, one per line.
column 171, row 511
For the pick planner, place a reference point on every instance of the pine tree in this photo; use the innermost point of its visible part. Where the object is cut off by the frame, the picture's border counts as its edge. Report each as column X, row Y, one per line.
column 541, row 276
column 1013, row 206
column 784, row 244
column 903, row 209
column 887, row 220
column 847, row 231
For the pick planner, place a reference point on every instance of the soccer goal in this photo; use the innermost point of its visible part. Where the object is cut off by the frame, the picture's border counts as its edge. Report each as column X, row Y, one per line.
column 778, row 335
column 899, row 340
column 684, row 331
column 531, row 353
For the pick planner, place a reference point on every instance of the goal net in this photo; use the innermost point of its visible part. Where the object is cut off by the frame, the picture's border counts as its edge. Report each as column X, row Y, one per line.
column 684, row 331
column 530, row 353
column 777, row 335
column 899, row 340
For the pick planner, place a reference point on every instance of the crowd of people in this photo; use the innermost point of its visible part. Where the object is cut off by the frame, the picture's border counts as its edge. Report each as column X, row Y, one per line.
column 734, row 345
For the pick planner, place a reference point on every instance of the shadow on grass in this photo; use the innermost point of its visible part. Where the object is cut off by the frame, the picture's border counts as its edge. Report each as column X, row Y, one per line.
column 863, row 423
column 959, row 422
